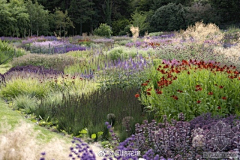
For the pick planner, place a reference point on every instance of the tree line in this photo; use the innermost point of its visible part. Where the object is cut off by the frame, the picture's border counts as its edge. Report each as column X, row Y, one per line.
column 22, row 18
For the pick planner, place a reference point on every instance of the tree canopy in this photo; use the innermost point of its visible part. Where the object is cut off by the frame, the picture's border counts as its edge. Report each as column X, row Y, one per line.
column 21, row 18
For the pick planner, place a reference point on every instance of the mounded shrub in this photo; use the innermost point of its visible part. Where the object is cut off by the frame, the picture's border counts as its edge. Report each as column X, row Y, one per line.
column 169, row 17
column 103, row 30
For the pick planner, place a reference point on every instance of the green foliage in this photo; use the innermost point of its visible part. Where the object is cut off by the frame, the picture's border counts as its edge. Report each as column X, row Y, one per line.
column 81, row 11
column 103, row 30
column 139, row 20
column 159, row 3
column 39, row 18
column 126, row 31
column 169, row 17
column 122, row 53
column 193, row 92
column 15, row 18
column 155, row 34
column 222, row 8
column 119, row 25
column 76, row 112
column 200, row 11
column 31, row 87
column 107, row 10
column 62, row 22
column 25, row 102
column 8, row 52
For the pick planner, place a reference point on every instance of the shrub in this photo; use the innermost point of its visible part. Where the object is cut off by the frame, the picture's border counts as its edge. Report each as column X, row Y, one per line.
column 103, row 30
column 169, row 17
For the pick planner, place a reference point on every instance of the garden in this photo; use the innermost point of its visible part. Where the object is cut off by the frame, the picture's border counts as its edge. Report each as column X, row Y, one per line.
column 159, row 95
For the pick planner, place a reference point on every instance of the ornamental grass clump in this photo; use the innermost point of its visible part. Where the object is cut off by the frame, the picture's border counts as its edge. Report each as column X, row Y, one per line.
column 24, row 86
column 193, row 87
column 76, row 112
column 201, row 32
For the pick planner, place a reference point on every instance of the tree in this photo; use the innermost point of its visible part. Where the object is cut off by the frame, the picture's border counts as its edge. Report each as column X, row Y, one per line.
column 139, row 20
column 119, row 25
column 202, row 11
column 169, row 17
column 19, row 13
column 13, row 17
column 81, row 11
column 107, row 10
column 142, row 5
column 228, row 10
column 62, row 22
column 39, row 23
column 159, row 3
column 5, row 17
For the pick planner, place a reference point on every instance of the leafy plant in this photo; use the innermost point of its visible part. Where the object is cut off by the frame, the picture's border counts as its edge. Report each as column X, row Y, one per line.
column 193, row 87
column 103, row 30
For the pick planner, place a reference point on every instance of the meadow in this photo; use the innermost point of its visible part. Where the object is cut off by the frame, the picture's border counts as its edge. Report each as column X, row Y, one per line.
column 159, row 94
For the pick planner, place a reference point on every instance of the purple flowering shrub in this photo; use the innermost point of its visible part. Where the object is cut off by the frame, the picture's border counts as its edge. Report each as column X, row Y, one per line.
column 181, row 139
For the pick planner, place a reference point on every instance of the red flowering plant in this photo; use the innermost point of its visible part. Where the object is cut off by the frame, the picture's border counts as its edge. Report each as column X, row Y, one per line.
column 192, row 87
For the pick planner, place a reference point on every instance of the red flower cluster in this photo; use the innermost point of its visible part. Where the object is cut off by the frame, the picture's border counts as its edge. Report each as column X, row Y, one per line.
column 174, row 97
column 198, row 88
column 137, row 95
column 210, row 93
column 158, row 91
column 154, row 44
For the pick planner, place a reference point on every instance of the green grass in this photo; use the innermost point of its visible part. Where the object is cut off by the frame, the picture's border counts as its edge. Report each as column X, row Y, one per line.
column 14, row 117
